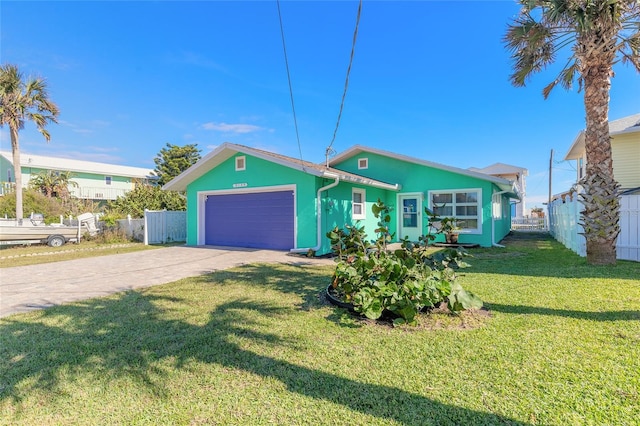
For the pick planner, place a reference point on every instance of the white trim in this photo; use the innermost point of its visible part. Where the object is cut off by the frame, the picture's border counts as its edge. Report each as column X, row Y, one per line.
column 364, row 165
column 420, row 197
column 78, row 166
column 241, row 159
column 202, row 199
column 363, row 194
column 480, row 204
column 227, row 150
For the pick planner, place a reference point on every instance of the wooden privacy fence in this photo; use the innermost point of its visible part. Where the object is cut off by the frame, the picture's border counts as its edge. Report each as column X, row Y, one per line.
column 564, row 225
column 162, row 226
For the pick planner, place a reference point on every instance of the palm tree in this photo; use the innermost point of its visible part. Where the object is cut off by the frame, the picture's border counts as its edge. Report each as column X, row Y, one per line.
column 595, row 34
column 20, row 101
column 53, row 183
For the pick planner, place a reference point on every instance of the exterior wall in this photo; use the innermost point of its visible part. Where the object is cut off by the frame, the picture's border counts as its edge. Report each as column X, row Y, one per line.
column 418, row 178
column 502, row 224
column 337, row 210
column 258, row 174
column 90, row 185
column 6, row 175
column 625, row 151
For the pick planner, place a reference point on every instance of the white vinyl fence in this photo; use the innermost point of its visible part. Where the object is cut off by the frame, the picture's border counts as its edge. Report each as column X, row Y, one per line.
column 162, row 226
column 564, row 225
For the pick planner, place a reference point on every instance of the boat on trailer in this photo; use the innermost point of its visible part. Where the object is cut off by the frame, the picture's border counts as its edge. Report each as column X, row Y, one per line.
column 34, row 231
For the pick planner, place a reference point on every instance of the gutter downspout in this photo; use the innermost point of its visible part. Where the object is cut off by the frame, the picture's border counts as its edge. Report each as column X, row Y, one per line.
column 493, row 222
column 319, row 218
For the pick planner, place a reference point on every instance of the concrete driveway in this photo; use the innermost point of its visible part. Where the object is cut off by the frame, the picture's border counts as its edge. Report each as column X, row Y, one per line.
column 26, row 288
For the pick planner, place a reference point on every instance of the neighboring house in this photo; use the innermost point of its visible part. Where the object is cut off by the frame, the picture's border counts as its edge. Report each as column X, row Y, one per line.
column 565, row 209
column 246, row 197
column 625, row 152
column 518, row 175
column 95, row 181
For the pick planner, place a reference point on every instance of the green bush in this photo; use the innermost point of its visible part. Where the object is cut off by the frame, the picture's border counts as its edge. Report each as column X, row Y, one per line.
column 402, row 282
column 33, row 201
column 146, row 197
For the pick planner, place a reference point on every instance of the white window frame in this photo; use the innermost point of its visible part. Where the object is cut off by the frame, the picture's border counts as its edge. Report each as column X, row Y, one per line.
column 363, row 163
column 453, row 192
column 363, row 203
column 108, row 180
column 241, row 163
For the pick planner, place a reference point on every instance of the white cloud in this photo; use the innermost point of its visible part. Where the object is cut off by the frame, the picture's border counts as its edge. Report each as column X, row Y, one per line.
column 231, row 128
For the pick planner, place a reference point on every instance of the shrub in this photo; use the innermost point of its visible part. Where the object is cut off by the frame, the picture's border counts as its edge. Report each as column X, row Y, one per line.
column 33, row 201
column 402, row 282
column 146, row 197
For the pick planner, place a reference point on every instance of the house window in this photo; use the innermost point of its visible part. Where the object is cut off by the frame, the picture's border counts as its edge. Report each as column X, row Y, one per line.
column 358, row 204
column 465, row 205
column 363, row 163
column 107, row 180
column 241, row 163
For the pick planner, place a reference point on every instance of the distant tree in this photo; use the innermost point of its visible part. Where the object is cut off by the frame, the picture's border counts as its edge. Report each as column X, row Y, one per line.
column 173, row 160
column 146, row 197
column 596, row 34
column 36, row 202
column 53, row 183
column 22, row 101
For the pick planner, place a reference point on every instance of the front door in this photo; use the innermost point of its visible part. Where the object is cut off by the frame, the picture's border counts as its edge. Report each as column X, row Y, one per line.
column 410, row 216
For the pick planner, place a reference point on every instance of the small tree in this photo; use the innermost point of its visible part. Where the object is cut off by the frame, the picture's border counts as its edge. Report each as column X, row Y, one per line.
column 173, row 160
column 147, row 197
column 36, row 202
column 53, row 183
column 597, row 34
column 22, row 101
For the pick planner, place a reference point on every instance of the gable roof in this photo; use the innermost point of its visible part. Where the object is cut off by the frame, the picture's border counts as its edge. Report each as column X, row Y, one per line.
column 503, row 184
column 630, row 124
column 500, row 169
column 227, row 150
column 72, row 165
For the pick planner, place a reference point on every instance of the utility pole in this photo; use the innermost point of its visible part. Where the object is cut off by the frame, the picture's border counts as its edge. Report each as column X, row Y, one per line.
column 550, row 175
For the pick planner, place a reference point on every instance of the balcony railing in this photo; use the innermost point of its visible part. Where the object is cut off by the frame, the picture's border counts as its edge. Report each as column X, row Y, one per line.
column 95, row 193
column 7, row 188
column 84, row 193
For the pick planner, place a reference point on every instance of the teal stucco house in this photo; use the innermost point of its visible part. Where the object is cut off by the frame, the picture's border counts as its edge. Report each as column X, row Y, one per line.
column 245, row 197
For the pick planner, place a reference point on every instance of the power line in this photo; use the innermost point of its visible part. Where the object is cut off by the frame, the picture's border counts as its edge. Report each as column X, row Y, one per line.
column 286, row 62
column 346, row 83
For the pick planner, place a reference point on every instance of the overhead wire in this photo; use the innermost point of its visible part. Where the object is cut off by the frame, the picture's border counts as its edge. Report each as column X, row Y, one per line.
column 329, row 149
column 286, row 62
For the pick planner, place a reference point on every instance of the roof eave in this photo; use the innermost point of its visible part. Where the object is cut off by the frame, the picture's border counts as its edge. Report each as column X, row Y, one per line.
column 577, row 148
column 359, row 148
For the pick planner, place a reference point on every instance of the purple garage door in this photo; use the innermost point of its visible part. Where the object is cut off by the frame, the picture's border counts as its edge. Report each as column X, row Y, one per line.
column 257, row 220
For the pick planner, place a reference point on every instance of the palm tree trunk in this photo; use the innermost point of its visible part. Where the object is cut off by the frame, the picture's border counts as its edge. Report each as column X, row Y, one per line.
column 600, row 218
column 17, row 171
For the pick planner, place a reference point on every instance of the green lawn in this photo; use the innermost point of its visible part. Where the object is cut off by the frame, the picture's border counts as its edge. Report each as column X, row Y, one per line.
column 41, row 253
column 258, row 345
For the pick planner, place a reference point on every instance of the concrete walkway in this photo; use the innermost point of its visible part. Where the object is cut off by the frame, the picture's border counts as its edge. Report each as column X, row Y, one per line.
column 26, row 288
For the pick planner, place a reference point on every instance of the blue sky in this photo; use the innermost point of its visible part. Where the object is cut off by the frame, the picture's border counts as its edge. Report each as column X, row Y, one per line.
column 429, row 80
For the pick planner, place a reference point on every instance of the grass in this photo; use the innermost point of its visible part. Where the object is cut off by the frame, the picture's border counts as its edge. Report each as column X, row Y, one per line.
column 259, row 345
column 41, row 253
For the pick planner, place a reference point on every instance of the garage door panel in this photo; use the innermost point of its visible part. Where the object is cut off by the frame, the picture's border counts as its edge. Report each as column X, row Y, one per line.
column 257, row 220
